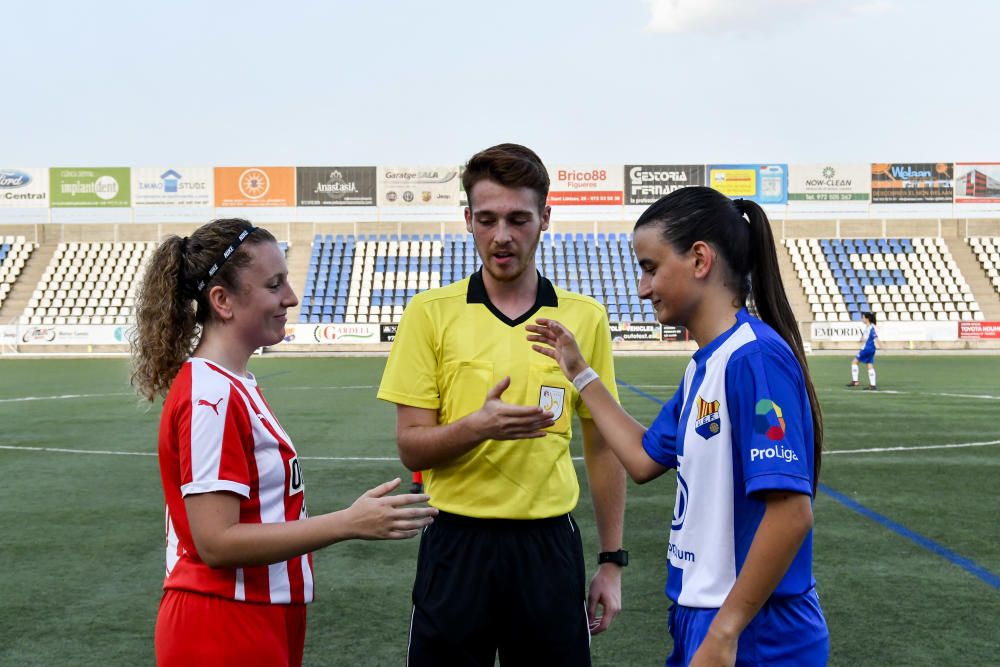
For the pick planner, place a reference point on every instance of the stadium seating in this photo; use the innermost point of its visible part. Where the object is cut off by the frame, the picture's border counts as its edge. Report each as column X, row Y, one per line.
column 897, row 279
column 88, row 283
column 372, row 278
column 14, row 252
column 987, row 251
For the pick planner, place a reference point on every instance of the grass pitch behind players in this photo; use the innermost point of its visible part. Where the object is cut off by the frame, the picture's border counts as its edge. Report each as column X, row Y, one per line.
column 502, row 569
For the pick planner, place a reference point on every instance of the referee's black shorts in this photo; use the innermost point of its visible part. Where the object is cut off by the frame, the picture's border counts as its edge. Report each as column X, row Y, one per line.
column 489, row 586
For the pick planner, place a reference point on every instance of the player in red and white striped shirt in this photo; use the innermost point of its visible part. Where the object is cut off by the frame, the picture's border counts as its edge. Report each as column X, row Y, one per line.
column 239, row 568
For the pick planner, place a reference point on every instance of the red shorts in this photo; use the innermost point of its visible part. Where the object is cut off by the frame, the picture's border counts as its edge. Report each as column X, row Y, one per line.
column 195, row 629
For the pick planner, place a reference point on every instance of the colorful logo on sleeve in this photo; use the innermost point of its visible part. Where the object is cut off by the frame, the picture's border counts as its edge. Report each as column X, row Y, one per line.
column 708, row 422
column 768, row 419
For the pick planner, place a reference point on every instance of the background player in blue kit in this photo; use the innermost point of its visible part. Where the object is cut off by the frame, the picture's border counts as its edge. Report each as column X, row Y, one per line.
column 867, row 353
column 743, row 430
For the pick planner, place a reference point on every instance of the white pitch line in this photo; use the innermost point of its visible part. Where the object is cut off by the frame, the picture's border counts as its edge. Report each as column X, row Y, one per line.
column 60, row 397
column 62, row 450
column 876, row 450
column 335, row 386
column 897, row 392
column 383, row 459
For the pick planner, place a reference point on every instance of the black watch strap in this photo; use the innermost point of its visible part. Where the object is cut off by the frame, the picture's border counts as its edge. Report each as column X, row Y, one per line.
column 619, row 557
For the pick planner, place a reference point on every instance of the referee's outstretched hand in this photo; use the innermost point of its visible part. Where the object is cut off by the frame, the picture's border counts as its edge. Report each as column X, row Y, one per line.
column 498, row 420
column 378, row 516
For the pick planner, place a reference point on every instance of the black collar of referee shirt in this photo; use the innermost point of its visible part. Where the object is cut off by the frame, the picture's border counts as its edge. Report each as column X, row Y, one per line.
column 546, row 296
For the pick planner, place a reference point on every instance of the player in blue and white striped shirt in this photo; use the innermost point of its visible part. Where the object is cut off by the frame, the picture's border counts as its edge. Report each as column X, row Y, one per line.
column 743, row 431
column 866, row 354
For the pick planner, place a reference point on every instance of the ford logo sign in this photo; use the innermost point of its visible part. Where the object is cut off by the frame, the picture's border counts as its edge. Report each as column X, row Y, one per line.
column 13, row 179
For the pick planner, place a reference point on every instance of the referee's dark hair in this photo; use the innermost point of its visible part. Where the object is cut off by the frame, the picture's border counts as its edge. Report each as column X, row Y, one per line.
column 741, row 233
column 510, row 165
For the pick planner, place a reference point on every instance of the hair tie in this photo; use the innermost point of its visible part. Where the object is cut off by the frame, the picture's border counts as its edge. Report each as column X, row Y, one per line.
column 227, row 253
column 184, row 245
column 740, row 205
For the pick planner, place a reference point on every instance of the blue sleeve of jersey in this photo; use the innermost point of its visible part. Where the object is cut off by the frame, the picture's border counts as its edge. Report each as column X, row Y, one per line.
column 771, row 422
column 660, row 439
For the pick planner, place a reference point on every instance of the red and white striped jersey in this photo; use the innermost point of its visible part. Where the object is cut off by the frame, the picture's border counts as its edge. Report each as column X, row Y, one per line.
column 217, row 433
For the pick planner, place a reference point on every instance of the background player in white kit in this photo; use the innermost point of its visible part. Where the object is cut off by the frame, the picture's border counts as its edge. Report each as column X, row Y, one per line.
column 744, row 432
column 239, row 569
column 866, row 355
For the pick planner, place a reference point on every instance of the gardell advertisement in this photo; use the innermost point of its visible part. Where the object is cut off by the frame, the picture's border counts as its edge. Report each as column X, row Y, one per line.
column 255, row 186
column 24, row 188
column 646, row 183
column 90, row 187
column 977, row 182
column 336, row 186
column 587, row 185
column 335, row 334
column 172, row 186
column 762, row 183
column 912, row 182
column 418, row 186
column 824, row 182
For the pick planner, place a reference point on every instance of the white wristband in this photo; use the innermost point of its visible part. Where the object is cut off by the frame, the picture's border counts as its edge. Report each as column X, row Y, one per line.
column 585, row 377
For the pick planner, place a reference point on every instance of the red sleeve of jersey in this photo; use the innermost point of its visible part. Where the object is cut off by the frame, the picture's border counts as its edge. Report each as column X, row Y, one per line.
column 215, row 438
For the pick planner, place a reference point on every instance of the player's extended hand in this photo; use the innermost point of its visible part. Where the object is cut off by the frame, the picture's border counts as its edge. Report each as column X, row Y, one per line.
column 498, row 420
column 558, row 343
column 605, row 593
column 378, row 516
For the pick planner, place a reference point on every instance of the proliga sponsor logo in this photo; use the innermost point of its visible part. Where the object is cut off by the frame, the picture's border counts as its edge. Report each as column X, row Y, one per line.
column 777, row 452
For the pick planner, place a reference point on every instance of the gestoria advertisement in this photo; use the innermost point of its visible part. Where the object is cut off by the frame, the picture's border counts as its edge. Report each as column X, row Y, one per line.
column 89, row 187
column 24, row 188
column 762, row 183
column 646, row 183
column 587, row 185
column 418, row 186
column 172, row 186
column 912, row 182
column 336, row 186
column 255, row 186
column 977, row 182
column 829, row 182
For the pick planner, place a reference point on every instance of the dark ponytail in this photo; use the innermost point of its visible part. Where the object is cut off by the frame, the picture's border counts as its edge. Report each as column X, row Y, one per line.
column 169, row 306
column 695, row 214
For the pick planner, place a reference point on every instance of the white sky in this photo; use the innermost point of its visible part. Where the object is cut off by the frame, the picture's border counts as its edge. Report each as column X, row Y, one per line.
column 207, row 83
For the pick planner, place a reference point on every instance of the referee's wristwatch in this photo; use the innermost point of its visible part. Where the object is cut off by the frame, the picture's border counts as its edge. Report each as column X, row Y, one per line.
column 619, row 557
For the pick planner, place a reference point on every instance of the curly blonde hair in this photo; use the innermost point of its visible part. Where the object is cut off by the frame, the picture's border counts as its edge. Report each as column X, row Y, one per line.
column 170, row 311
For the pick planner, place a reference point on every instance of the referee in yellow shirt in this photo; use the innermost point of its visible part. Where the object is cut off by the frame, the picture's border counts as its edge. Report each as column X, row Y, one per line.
column 502, row 569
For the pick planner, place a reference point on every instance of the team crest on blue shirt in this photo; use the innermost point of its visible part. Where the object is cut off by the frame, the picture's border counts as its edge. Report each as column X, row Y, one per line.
column 709, row 423
column 551, row 399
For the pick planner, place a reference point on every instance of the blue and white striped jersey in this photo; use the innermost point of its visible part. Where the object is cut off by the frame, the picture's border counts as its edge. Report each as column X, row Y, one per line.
column 740, row 425
column 870, row 336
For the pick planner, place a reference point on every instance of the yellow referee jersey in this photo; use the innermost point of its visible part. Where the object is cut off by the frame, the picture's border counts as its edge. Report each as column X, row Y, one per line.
column 451, row 347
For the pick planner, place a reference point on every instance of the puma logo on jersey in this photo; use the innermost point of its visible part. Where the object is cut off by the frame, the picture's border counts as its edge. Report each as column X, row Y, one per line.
column 214, row 406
